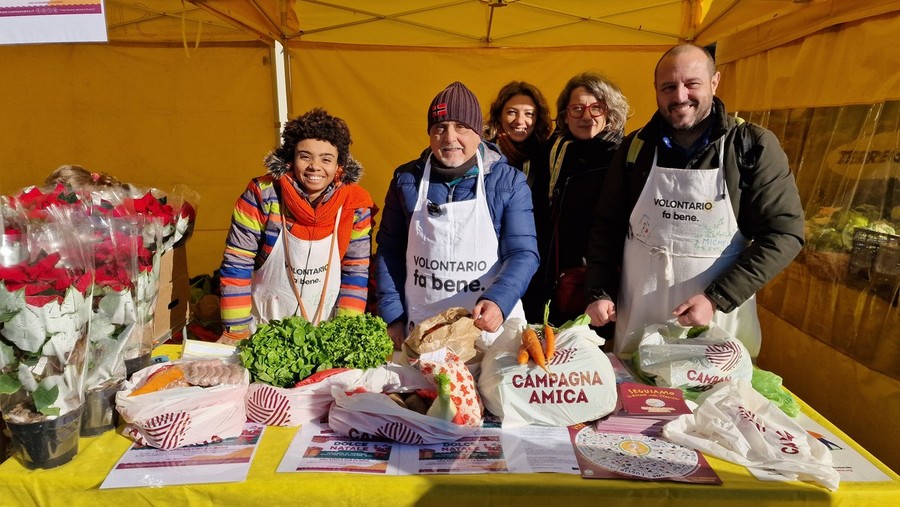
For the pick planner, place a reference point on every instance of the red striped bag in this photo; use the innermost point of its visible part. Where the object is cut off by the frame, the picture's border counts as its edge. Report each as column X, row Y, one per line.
column 182, row 416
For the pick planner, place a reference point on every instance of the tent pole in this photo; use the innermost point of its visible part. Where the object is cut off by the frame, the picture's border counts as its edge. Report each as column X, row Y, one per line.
column 281, row 85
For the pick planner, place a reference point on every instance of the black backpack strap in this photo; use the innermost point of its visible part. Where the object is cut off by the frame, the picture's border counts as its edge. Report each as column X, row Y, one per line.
column 747, row 155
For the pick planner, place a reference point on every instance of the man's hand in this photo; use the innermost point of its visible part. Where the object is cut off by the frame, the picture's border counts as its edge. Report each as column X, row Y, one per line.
column 601, row 312
column 698, row 310
column 487, row 316
column 397, row 333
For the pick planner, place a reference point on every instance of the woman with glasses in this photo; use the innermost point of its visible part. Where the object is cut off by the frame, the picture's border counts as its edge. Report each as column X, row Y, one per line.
column 566, row 180
column 519, row 123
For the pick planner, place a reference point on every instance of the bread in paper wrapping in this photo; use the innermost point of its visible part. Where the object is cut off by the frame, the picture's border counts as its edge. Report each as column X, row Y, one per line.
column 453, row 328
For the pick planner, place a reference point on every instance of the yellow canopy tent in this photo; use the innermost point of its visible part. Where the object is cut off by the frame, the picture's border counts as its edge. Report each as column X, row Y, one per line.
column 186, row 92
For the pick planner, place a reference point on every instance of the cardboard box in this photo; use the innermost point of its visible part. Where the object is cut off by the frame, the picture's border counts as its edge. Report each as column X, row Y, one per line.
column 172, row 307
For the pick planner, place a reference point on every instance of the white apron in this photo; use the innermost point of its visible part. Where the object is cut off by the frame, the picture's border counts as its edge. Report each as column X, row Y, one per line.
column 315, row 268
column 451, row 254
column 682, row 235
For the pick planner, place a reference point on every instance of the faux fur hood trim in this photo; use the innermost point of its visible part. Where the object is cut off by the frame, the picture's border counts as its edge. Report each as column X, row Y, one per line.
column 277, row 167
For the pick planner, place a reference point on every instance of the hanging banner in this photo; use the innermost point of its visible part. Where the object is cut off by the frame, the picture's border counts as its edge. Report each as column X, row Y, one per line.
column 45, row 21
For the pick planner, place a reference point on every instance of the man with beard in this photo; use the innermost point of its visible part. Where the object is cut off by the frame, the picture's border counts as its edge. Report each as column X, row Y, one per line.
column 698, row 212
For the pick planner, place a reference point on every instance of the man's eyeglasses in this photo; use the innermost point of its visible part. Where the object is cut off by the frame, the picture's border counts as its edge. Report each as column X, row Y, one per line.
column 596, row 109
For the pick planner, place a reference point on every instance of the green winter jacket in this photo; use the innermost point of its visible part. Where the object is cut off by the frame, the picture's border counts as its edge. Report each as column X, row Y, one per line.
column 763, row 194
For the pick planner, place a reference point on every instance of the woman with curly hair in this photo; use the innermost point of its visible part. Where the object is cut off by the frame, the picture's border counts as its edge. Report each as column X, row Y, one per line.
column 300, row 237
column 519, row 123
column 567, row 177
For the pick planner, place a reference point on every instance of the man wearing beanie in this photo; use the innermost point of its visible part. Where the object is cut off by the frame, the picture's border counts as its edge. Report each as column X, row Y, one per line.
column 457, row 227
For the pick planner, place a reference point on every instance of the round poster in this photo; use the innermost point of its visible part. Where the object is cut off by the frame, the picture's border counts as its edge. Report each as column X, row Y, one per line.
column 636, row 455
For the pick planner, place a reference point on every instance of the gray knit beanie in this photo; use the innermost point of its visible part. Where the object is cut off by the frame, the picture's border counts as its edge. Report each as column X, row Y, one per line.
column 456, row 103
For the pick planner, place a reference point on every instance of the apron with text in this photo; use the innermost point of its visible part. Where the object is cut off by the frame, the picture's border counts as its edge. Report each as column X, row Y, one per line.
column 682, row 235
column 451, row 255
column 310, row 264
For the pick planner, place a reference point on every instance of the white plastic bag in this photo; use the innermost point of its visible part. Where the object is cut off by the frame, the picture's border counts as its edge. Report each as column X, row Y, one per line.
column 735, row 423
column 581, row 387
column 311, row 399
column 182, row 416
column 360, row 412
column 674, row 360
column 368, row 414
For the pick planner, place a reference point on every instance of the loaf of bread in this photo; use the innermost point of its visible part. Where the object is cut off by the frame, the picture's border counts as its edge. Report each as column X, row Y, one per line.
column 212, row 372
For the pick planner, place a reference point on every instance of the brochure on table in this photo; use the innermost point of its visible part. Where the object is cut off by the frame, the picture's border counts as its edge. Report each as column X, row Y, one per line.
column 225, row 461
column 631, row 448
column 316, row 448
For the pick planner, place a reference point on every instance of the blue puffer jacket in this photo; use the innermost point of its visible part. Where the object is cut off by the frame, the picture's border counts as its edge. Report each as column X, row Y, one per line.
column 509, row 200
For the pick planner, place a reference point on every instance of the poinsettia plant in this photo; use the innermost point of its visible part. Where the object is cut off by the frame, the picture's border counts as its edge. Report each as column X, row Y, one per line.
column 116, row 252
column 51, row 316
column 175, row 212
column 45, row 307
column 112, row 334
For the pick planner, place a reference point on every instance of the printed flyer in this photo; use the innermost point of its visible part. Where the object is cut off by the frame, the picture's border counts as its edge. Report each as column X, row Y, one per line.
column 605, row 455
column 43, row 21
column 469, row 455
column 225, row 461
column 316, row 448
column 645, row 400
column 532, row 449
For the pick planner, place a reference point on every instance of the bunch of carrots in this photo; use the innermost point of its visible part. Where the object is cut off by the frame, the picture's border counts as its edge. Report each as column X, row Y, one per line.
column 531, row 347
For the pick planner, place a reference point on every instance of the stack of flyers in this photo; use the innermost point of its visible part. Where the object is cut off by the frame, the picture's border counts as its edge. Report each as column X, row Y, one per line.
column 649, row 426
column 644, row 400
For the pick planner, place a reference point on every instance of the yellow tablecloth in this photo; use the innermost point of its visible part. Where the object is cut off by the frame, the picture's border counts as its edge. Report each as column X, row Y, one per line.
column 77, row 483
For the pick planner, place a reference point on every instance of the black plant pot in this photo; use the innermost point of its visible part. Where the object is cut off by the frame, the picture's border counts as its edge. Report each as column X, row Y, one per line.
column 100, row 413
column 5, row 444
column 136, row 364
column 47, row 444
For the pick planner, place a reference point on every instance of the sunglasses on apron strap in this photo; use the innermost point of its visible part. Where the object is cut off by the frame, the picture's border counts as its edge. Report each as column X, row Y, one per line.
column 434, row 210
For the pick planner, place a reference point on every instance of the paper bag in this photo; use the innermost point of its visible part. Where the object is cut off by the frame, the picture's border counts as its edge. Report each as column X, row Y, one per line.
column 453, row 328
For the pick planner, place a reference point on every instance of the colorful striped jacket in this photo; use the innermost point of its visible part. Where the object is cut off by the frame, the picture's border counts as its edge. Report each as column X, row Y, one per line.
column 256, row 224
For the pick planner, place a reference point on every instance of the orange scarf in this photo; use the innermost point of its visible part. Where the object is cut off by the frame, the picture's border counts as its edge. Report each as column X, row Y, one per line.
column 310, row 224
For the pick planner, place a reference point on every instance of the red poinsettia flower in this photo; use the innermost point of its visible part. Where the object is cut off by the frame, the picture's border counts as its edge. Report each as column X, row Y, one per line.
column 188, row 211
column 35, row 202
column 43, row 281
column 13, row 276
column 149, row 205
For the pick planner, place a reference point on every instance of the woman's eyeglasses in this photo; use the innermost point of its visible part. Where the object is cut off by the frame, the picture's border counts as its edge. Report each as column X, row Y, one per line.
column 596, row 109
